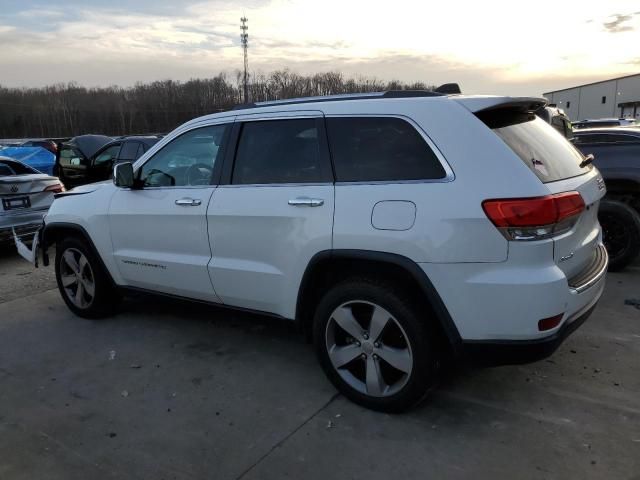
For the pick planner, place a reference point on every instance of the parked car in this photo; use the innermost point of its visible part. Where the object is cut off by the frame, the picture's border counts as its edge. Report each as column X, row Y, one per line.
column 47, row 144
column 558, row 119
column 98, row 165
column 616, row 153
column 26, row 196
column 391, row 239
column 604, row 122
column 74, row 158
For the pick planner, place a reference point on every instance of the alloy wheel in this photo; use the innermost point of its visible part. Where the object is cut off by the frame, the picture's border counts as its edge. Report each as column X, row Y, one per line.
column 369, row 348
column 77, row 278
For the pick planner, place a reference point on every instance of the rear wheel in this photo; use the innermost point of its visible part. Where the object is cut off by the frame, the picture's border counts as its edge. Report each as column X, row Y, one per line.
column 620, row 232
column 83, row 283
column 374, row 346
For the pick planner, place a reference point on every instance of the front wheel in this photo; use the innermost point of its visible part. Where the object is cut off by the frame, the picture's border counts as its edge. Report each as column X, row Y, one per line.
column 82, row 280
column 374, row 346
column 620, row 233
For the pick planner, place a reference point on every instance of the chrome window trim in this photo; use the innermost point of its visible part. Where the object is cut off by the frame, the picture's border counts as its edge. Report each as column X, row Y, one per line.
column 449, row 174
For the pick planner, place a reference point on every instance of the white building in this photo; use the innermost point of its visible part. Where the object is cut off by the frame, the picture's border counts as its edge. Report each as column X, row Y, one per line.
column 618, row 97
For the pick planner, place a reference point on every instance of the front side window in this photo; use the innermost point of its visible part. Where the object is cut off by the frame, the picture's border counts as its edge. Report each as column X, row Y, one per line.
column 108, row 155
column 279, row 151
column 380, row 149
column 71, row 156
column 187, row 160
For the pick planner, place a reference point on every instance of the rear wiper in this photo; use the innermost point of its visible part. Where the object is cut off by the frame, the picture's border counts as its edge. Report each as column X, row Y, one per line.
column 588, row 160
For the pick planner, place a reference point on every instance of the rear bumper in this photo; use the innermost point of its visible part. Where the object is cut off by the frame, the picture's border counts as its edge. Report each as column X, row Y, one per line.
column 25, row 224
column 19, row 219
column 496, row 307
column 513, row 352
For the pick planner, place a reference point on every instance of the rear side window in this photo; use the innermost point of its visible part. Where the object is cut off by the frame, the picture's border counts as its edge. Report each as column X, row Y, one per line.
column 548, row 155
column 380, row 149
column 280, row 151
column 129, row 151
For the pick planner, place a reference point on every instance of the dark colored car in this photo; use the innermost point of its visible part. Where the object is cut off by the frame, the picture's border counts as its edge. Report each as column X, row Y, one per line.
column 558, row 120
column 616, row 152
column 90, row 158
column 604, row 122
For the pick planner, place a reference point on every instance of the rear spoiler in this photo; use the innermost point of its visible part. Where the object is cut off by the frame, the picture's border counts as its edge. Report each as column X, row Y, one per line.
column 484, row 104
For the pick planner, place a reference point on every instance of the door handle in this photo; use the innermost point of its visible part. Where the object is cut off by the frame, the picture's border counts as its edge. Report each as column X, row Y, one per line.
column 188, row 202
column 306, row 202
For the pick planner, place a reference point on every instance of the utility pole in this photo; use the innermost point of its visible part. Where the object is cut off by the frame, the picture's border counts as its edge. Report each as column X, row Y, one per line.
column 244, row 40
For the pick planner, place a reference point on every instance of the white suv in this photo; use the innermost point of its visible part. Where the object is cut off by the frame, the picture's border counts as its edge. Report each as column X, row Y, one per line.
column 396, row 228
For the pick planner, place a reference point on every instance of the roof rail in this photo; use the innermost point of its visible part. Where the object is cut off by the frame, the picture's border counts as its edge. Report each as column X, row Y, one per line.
column 345, row 96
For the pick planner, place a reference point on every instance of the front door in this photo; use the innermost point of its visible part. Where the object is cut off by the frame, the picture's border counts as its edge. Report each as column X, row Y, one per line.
column 273, row 214
column 159, row 231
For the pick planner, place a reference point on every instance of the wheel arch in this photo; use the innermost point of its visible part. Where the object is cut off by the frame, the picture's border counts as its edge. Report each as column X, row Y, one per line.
column 53, row 232
column 330, row 266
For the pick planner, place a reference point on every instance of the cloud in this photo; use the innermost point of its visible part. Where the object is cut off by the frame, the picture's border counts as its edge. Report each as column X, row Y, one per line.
column 620, row 23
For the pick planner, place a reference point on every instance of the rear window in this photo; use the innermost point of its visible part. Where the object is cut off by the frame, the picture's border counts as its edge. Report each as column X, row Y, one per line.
column 547, row 154
column 14, row 168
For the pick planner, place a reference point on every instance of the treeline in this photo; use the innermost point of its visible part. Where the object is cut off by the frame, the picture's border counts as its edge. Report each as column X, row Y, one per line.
column 66, row 110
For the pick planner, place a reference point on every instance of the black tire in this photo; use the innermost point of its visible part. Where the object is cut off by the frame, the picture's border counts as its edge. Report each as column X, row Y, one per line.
column 621, row 233
column 420, row 335
column 105, row 299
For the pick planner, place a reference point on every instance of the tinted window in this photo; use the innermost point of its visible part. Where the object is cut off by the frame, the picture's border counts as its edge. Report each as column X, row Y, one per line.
column 606, row 138
column 129, row 151
column 140, row 151
column 186, row 160
column 380, row 149
column 548, row 155
column 108, row 155
column 580, row 139
column 558, row 124
column 279, row 151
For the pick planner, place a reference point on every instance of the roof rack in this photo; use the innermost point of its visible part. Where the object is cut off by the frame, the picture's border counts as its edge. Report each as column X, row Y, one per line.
column 354, row 96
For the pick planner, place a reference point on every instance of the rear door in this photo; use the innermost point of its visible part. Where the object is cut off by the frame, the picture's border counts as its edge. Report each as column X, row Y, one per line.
column 274, row 213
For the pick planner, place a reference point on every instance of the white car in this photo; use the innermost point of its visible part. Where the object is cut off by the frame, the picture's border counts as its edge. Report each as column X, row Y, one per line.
column 25, row 196
column 396, row 227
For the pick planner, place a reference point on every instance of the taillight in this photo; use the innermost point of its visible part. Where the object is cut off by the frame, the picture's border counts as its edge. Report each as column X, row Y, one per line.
column 58, row 188
column 535, row 218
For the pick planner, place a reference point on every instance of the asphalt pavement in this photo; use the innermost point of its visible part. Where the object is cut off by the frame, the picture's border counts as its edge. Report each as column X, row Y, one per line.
column 172, row 390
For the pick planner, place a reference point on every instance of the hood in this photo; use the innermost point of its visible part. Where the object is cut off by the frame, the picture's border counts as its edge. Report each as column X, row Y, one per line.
column 90, row 144
column 90, row 187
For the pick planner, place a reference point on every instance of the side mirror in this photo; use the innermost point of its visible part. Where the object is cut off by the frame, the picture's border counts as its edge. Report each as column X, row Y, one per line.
column 123, row 175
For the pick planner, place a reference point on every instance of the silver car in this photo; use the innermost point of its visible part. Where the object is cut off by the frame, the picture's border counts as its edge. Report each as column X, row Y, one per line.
column 25, row 196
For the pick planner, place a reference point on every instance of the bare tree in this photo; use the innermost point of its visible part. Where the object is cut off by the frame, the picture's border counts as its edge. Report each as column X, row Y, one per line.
column 63, row 110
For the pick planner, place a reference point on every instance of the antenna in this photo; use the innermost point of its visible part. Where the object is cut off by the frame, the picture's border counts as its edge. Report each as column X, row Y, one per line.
column 244, row 41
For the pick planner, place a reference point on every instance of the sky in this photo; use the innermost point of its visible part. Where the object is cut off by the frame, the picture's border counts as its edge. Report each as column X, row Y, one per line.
column 517, row 47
